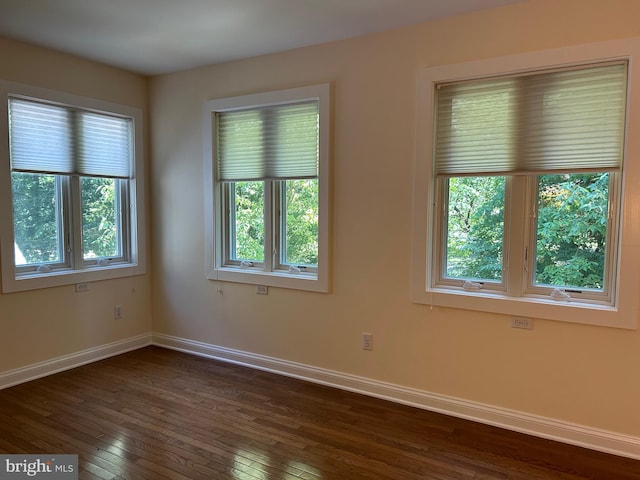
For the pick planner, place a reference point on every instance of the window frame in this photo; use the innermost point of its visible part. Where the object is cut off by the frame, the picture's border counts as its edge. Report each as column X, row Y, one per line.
column 614, row 220
column 62, row 198
column 217, row 264
column 280, row 236
column 227, row 201
column 622, row 309
column 440, row 241
column 75, row 268
column 123, row 217
column 519, row 244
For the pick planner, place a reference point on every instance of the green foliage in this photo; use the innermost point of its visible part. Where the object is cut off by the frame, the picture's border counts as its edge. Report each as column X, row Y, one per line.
column 99, row 217
column 572, row 230
column 302, row 222
column 475, row 228
column 249, row 221
column 36, row 222
column 300, row 230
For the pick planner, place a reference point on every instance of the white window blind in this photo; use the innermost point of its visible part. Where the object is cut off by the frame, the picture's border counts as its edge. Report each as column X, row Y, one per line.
column 268, row 143
column 57, row 140
column 565, row 120
column 105, row 146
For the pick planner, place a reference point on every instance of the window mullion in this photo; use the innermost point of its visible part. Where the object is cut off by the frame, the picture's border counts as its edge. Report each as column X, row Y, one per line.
column 517, row 245
column 63, row 198
column 124, row 217
column 613, row 232
column 76, row 254
column 75, row 195
column 228, row 204
column 279, row 219
column 270, row 188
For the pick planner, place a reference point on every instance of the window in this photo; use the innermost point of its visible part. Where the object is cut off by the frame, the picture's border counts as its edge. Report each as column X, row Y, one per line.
column 521, row 179
column 561, row 133
column 74, row 191
column 267, row 185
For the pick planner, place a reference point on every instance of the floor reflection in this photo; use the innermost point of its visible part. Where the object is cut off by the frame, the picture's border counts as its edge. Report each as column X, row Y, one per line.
column 253, row 465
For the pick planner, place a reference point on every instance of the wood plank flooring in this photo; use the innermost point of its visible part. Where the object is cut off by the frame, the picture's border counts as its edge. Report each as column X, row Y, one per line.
column 156, row 414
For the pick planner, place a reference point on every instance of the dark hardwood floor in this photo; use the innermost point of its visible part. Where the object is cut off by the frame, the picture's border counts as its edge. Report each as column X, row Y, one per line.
column 158, row 414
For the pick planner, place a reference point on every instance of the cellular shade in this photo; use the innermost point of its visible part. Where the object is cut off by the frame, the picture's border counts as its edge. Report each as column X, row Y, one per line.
column 565, row 120
column 41, row 138
column 58, row 140
column 268, row 143
column 104, row 146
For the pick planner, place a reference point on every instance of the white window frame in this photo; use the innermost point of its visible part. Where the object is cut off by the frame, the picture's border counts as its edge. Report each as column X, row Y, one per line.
column 622, row 310
column 217, row 268
column 78, row 269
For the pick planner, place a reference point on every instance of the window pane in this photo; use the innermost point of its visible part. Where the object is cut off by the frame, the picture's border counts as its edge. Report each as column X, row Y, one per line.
column 247, row 224
column 101, row 226
column 300, row 235
column 37, row 217
column 475, row 228
column 572, row 230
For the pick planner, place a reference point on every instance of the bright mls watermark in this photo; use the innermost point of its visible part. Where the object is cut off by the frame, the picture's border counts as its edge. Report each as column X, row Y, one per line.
column 51, row 467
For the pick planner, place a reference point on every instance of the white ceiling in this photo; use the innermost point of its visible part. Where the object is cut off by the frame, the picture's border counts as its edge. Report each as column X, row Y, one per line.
column 161, row 36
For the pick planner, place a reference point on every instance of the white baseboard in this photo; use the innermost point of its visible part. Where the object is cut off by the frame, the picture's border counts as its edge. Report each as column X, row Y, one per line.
column 66, row 362
column 549, row 428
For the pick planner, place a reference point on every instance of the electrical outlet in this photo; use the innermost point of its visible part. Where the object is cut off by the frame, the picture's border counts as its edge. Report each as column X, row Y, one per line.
column 262, row 290
column 82, row 287
column 521, row 322
column 117, row 312
column 367, row 341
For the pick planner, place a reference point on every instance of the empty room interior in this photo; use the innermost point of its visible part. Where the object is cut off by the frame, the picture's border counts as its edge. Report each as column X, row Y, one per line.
column 461, row 238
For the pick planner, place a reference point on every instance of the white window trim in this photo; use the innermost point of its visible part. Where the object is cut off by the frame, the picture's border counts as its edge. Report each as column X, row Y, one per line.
column 623, row 313
column 214, row 255
column 137, row 262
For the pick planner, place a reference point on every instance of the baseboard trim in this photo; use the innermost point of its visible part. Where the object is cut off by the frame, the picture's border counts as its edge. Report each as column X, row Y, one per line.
column 66, row 362
column 549, row 428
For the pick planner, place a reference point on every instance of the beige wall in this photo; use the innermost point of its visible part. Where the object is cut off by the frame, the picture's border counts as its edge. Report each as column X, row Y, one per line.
column 45, row 324
column 569, row 372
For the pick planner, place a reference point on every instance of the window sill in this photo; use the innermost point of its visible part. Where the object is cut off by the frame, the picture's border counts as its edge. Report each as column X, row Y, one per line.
column 57, row 278
column 574, row 311
column 296, row 281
